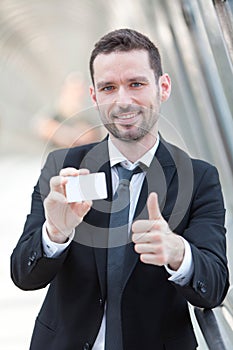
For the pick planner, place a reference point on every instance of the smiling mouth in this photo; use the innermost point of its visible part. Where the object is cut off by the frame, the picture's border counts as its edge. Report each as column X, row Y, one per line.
column 126, row 116
column 127, row 119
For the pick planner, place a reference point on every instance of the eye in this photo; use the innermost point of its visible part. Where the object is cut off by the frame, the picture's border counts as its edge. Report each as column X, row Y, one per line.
column 136, row 84
column 108, row 88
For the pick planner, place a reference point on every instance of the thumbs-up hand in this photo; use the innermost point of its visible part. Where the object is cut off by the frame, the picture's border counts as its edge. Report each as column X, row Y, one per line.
column 154, row 240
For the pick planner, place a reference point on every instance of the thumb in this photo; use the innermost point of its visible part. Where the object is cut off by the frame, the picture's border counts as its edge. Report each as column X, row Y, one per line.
column 153, row 207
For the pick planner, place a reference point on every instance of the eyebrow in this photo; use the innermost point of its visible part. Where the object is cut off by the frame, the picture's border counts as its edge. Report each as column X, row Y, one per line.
column 139, row 78
column 142, row 78
column 102, row 84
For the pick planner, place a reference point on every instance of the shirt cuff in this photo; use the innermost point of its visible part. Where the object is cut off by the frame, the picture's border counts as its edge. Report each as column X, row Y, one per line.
column 183, row 275
column 53, row 249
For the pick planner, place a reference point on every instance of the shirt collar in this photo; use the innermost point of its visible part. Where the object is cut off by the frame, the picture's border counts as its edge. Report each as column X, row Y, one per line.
column 116, row 156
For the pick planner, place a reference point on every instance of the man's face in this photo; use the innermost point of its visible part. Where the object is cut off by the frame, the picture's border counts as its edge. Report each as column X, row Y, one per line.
column 127, row 94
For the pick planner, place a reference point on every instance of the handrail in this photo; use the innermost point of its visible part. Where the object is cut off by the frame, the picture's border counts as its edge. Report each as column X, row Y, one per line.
column 210, row 329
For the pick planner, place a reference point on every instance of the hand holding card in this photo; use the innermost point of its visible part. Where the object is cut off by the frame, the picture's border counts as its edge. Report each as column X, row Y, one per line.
column 86, row 187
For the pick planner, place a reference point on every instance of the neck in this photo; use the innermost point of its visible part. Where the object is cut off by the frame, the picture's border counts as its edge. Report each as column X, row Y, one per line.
column 133, row 150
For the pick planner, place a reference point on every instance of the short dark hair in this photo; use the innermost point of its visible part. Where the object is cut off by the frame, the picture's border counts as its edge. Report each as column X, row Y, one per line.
column 124, row 40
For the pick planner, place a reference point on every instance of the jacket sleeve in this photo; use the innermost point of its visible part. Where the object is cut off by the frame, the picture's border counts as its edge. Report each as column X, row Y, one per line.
column 206, row 234
column 30, row 268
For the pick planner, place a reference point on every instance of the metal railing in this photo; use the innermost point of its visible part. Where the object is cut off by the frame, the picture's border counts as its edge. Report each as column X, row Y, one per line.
column 210, row 329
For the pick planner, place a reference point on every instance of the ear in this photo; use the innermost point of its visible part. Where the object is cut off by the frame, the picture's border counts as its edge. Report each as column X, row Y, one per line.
column 164, row 87
column 93, row 95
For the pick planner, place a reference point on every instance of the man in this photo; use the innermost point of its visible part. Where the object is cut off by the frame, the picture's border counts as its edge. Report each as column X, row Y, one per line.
column 176, row 251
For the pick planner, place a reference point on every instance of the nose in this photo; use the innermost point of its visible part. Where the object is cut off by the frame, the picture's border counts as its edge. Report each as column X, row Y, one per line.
column 123, row 97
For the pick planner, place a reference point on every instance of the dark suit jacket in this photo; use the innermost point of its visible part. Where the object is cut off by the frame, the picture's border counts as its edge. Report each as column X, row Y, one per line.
column 154, row 310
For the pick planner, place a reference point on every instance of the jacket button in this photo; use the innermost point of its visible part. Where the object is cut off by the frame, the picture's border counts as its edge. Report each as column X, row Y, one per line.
column 86, row 346
column 32, row 258
column 101, row 302
column 202, row 287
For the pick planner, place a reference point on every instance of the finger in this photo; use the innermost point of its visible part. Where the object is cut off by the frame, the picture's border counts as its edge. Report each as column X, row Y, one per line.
column 55, row 197
column 153, row 207
column 142, row 226
column 57, row 184
column 153, row 259
column 81, row 208
column 73, row 172
column 140, row 238
column 147, row 237
column 69, row 172
column 84, row 171
column 144, row 248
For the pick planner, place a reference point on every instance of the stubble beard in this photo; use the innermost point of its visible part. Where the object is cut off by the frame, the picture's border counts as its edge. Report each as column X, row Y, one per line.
column 132, row 133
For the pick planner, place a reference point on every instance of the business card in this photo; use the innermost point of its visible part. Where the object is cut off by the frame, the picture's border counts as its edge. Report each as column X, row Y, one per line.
column 86, row 187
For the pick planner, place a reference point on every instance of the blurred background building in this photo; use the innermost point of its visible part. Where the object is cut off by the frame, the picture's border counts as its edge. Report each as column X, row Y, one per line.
column 41, row 42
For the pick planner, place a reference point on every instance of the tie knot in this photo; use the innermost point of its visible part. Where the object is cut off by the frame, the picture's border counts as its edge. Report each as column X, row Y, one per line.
column 125, row 174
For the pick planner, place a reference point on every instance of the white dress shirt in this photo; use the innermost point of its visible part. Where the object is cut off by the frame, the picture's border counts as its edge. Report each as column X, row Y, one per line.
column 181, row 276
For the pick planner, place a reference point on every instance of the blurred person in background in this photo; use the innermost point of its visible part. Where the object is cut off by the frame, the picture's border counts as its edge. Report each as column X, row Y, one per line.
column 104, row 293
column 68, row 125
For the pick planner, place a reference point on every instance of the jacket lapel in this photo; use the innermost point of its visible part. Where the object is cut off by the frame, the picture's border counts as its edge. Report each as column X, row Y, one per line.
column 97, row 160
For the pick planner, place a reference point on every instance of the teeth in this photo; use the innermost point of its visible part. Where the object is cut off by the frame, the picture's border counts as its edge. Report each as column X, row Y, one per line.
column 127, row 116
